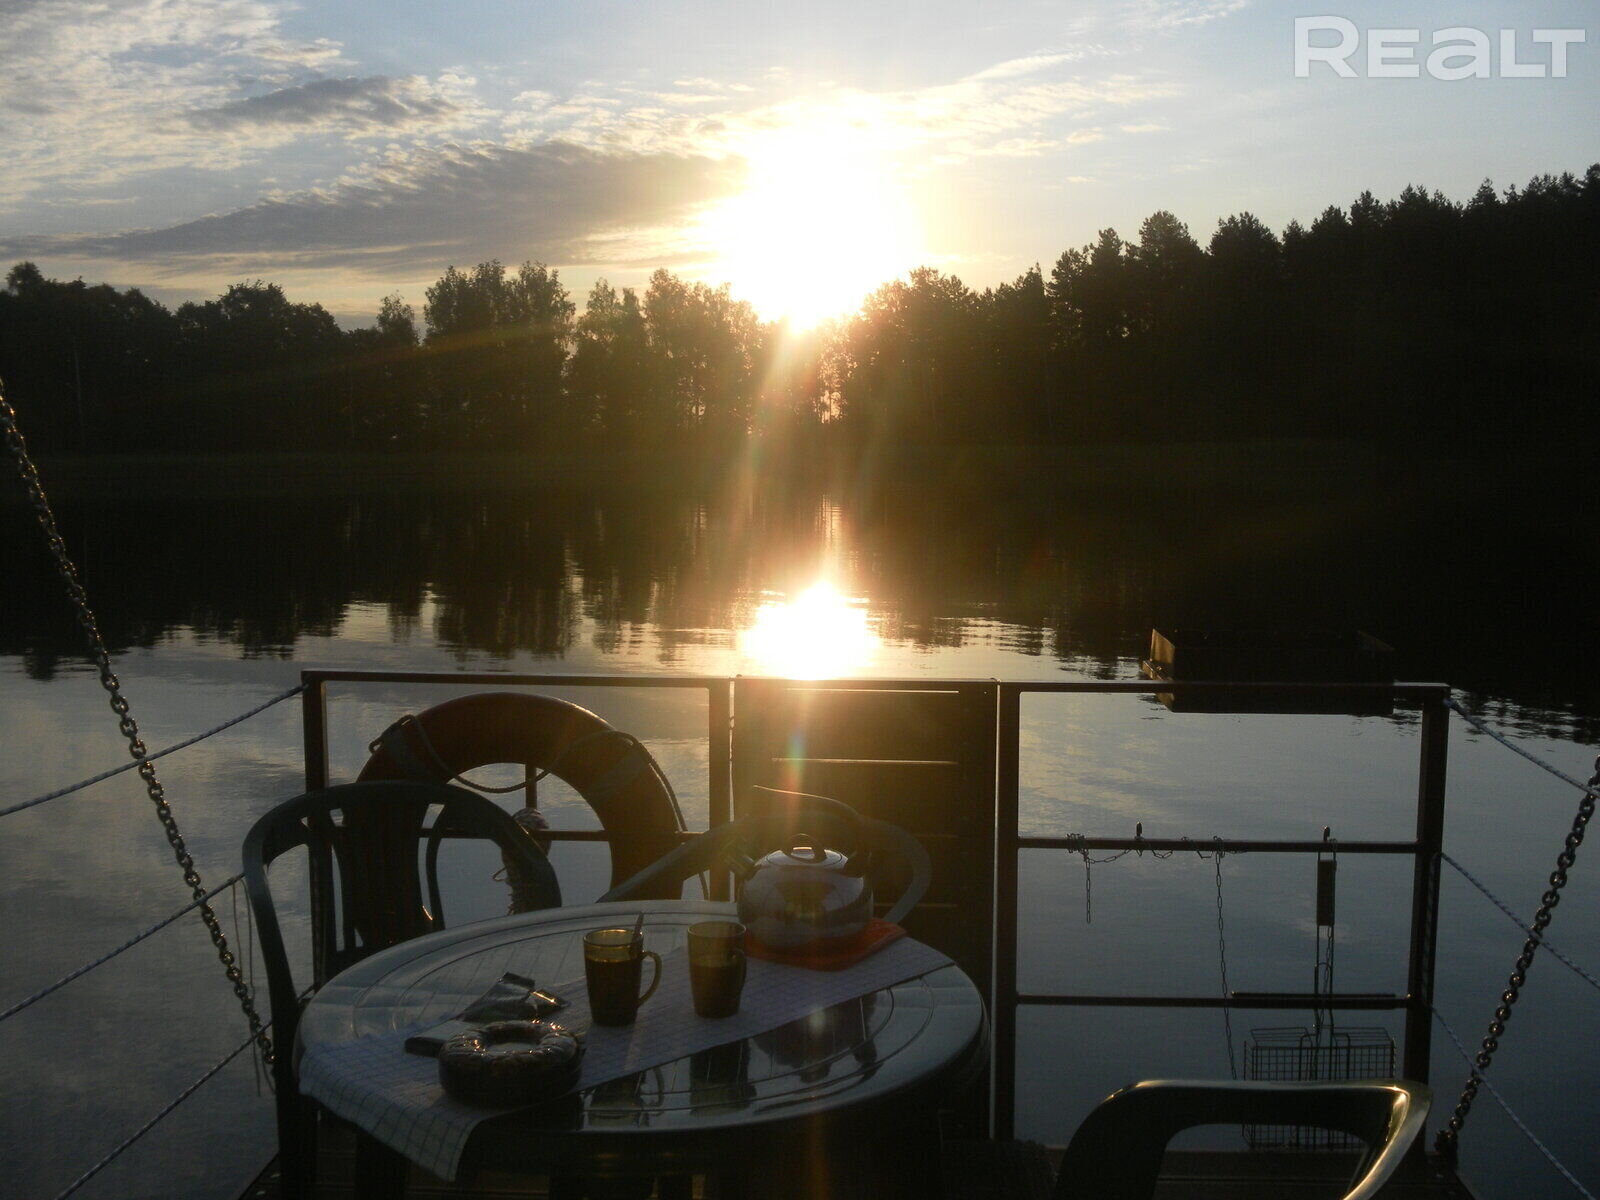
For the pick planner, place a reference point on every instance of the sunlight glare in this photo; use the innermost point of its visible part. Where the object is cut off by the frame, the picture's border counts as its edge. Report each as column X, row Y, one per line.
column 817, row 635
column 820, row 223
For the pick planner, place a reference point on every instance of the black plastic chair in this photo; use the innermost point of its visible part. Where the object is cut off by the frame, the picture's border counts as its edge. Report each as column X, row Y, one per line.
column 379, row 903
column 897, row 858
column 1116, row 1153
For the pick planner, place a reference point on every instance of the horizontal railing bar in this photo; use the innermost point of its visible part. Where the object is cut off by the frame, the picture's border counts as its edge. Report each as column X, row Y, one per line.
column 683, row 835
column 784, row 760
column 931, row 687
column 1305, row 1000
column 476, row 677
column 1417, row 691
column 1226, row 845
column 566, row 835
column 1106, row 686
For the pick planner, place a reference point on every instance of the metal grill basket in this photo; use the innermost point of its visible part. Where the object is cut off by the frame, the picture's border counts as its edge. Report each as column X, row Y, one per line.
column 1295, row 1054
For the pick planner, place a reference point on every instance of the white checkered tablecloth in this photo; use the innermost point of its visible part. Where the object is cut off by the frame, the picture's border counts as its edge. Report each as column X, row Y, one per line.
column 395, row 1096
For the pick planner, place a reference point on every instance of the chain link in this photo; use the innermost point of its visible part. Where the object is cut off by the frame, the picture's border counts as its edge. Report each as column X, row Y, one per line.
column 125, row 722
column 1222, row 962
column 1447, row 1141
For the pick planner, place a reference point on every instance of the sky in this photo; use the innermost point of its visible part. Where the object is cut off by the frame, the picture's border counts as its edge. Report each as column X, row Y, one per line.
column 801, row 152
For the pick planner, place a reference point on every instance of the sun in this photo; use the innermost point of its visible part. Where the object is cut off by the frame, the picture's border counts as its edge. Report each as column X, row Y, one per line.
column 817, row 635
column 821, row 222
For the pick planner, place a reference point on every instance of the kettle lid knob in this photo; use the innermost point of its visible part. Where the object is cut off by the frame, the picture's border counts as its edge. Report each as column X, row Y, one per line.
column 805, row 848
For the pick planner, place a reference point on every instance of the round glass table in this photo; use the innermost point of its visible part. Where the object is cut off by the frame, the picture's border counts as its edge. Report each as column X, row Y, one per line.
column 832, row 1086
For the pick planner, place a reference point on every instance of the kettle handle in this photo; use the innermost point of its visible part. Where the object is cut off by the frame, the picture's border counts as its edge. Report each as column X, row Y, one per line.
column 826, row 807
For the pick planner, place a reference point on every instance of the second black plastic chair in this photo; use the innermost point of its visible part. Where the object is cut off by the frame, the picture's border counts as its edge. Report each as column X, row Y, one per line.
column 1116, row 1152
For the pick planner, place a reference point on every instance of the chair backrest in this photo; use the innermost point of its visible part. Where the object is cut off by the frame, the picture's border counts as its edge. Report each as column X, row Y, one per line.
column 379, row 900
column 898, row 859
column 1116, row 1152
column 921, row 758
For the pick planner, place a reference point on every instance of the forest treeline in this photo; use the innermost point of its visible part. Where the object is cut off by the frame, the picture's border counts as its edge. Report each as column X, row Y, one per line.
column 1417, row 321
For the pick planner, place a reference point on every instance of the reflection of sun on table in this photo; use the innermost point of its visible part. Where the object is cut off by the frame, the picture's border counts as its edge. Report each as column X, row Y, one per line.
column 817, row 635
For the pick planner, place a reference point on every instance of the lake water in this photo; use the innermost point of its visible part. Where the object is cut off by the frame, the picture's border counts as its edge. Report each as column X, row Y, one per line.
column 212, row 606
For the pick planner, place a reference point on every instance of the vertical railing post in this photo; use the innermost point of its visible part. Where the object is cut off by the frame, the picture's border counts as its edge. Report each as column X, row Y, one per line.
column 314, row 726
column 1007, row 784
column 314, row 721
column 719, row 760
column 1425, row 887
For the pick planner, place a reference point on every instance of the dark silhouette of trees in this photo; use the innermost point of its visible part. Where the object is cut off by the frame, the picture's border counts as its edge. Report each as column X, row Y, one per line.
column 92, row 364
column 498, row 346
column 913, row 358
column 387, row 396
column 704, row 346
column 1016, row 356
column 262, row 369
column 611, row 379
column 1415, row 323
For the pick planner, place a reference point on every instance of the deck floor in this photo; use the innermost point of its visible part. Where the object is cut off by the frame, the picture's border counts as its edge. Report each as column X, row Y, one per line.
column 978, row 1171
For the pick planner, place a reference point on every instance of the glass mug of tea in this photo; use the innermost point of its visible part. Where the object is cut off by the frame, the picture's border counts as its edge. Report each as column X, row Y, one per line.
column 716, row 967
column 613, row 965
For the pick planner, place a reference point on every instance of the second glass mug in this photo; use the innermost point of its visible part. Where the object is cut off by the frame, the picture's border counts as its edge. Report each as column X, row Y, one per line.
column 716, row 967
column 613, row 965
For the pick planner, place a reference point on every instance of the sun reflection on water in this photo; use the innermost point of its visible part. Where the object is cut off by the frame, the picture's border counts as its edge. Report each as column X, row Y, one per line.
column 818, row 634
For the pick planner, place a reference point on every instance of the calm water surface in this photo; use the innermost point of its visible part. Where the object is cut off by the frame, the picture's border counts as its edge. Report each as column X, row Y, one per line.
column 211, row 607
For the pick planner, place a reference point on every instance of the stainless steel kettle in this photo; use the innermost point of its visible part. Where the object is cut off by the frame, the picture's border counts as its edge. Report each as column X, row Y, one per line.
column 806, row 895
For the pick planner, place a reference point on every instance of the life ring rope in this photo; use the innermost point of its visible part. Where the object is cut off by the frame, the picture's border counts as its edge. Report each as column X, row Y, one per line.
column 612, row 770
column 393, row 739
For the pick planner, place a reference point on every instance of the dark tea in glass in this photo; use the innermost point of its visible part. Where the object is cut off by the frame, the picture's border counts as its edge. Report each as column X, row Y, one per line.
column 613, row 965
column 716, row 967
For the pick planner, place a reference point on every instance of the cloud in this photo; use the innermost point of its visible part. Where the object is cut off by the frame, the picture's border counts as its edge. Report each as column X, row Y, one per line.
column 183, row 106
column 1024, row 147
column 94, row 93
column 1029, row 65
column 376, row 103
column 1011, row 109
column 1168, row 15
column 420, row 210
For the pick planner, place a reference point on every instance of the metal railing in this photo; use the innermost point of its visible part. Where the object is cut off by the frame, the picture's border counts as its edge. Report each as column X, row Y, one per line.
column 1416, row 1002
column 1424, row 849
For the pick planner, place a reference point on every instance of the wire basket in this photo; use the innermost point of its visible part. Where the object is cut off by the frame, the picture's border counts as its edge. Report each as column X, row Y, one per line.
column 1294, row 1054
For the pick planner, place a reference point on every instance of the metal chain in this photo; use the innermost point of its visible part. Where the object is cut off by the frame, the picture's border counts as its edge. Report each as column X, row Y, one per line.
column 125, row 722
column 1222, row 961
column 1447, row 1141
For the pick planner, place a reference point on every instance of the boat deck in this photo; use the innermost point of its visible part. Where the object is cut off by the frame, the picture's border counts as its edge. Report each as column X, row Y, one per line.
column 978, row 1171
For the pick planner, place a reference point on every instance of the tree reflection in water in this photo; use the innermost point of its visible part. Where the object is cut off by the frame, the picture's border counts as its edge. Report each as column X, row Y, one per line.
column 625, row 572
